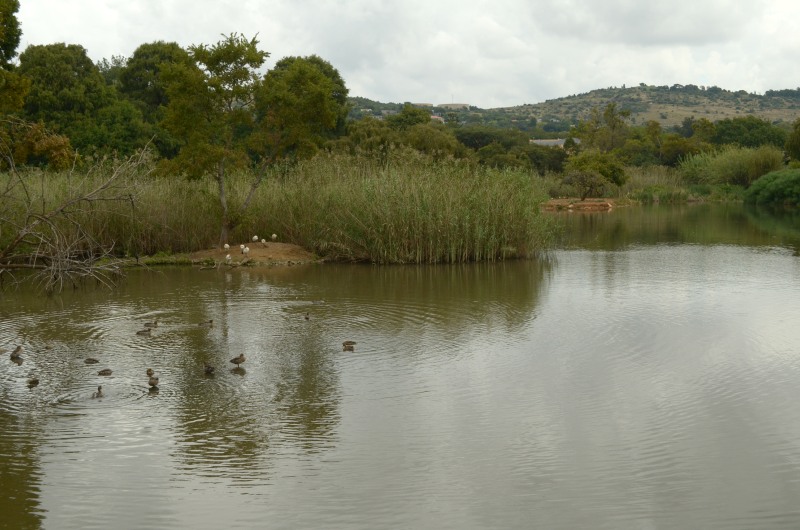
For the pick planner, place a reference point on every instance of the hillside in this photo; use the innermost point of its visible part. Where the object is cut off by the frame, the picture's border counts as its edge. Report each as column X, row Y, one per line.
column 668, row 105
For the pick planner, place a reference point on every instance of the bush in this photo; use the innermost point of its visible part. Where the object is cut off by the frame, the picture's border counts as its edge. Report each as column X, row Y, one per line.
column 779, row 188
column 731, row 165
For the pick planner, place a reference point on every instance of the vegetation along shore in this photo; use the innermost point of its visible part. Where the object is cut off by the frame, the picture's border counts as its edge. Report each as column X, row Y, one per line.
column 176, row 151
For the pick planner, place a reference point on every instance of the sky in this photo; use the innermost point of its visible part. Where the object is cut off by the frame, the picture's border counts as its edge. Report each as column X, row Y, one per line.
column 490, row 54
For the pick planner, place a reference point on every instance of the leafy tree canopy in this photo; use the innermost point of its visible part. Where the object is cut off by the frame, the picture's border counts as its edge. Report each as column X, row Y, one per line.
column 298, row 107
column 748, row 131
column 10, row 32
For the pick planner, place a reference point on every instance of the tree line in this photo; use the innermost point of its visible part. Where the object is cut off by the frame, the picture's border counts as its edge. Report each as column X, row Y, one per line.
column 210, row 109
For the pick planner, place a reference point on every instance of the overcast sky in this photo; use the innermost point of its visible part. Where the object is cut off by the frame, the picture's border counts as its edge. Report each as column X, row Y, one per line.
column 488, row 53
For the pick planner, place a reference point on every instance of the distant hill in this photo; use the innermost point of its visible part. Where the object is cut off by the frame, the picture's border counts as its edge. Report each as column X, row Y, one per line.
column 668, row 105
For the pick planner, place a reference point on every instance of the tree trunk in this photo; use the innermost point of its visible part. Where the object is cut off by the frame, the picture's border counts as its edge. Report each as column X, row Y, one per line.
column 223, row 201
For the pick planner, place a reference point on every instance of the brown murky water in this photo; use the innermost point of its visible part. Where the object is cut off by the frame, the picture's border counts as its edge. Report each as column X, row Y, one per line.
column 650, row 383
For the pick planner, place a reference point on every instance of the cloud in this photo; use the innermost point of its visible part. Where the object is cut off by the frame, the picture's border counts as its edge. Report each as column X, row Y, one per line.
column 631, row 22
column 483, row 52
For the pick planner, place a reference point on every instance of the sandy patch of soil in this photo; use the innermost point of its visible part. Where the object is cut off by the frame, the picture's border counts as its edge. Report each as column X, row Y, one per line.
column 260, row 254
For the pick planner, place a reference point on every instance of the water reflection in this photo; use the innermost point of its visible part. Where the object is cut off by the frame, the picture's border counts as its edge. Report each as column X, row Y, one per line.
column 647, row 387
column 706, row 224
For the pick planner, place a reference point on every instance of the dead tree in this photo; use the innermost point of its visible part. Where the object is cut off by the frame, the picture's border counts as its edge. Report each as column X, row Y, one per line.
column 52, row 240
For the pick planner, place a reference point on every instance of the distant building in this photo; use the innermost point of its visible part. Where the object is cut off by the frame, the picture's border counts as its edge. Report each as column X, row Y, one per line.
column 454, row 106
column 437, row 118
column 423, row 104
column 554, row 142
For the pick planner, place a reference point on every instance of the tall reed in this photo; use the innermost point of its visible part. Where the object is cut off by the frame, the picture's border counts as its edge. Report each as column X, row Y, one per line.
column 731, row 165
column 407, row 210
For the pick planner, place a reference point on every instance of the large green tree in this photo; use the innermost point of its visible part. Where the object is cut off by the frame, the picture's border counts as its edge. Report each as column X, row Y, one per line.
column 10, row 32
column 69, row 94
column 142, row 83
column 748, row 131
column 339, row 91
column 210, row 110
column 302, row 103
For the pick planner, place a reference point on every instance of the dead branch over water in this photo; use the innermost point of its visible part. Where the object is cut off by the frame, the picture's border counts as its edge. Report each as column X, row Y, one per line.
column 53, row 239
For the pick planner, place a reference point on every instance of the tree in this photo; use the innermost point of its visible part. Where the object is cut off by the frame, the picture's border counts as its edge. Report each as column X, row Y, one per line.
column 210, row 111
column 142, row 83
column 409, row 116
column 604, row 130
column 69, row 94
column 299, row 106
column 748, row 131
column 592, row 169
column 338, row 92
column 10, row 32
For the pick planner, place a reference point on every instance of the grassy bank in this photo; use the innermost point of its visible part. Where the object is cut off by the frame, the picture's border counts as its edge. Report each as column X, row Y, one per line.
column 411, row 210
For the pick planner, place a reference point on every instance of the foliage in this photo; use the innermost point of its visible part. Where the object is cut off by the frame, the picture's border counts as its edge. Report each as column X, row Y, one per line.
column 301, row 104
column 413, row 211
column 778, row 188
column 13, row 90
column 408, row 117
column 339, row 92
column 69, row 94
column 592, row 170
column 142, row 83
column 210, row 111
column 604, row 130
column 25, row 143
column 731, row 165
column 748, row 132
column 793, row 141
column 10, row 32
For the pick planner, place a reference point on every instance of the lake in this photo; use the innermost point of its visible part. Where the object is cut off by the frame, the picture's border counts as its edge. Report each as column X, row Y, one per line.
column 646, row 374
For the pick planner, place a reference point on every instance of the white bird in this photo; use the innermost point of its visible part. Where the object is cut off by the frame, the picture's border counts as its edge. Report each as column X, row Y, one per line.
column 228, row 257
column 274, row 237
column 226, row 246
column 264, row 242
column 246, row 250
column 255, row 238
column 241, row 247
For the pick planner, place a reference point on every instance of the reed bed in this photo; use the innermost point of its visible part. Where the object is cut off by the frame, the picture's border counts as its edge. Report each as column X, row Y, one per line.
column 731, row 165
column 409, row 210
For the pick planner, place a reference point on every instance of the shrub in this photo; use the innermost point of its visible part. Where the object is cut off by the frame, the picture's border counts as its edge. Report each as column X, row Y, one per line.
column 779, row 188
column 731, row 165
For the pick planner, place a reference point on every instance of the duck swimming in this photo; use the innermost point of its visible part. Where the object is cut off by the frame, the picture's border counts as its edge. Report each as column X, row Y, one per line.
column 99, row 392
column 91, row 360
column 104, row 371
column 209, row 370
column 207, row 323
column 238, row 360
column 153, row 324
column 17, row 353
column 32, row 382
column 145, row 331
column 348, row 345
column 153, row 382
column 149, row 372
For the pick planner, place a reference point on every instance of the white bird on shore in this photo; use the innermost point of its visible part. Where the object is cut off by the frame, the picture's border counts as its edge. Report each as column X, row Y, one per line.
column 246, row 250
column 226, row 246
column 228, row 257
column 264, row 242
column 241, row 247
column 274, row 237
column 255, row 238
